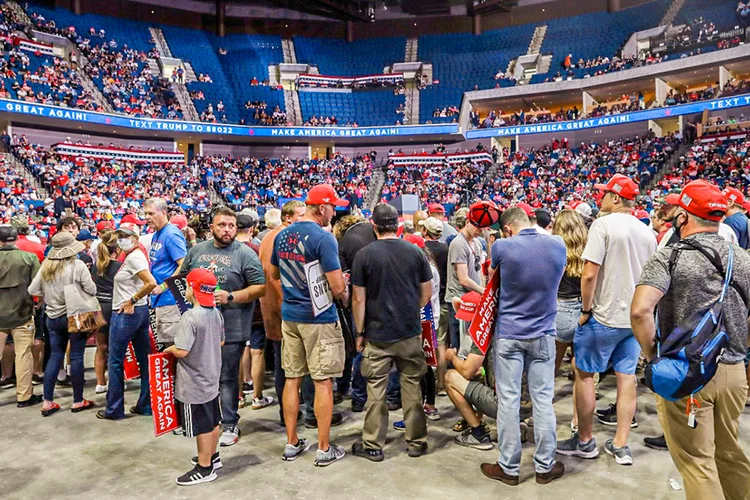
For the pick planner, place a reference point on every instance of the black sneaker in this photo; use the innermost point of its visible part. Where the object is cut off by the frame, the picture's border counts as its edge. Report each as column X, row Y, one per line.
column 611, row 418
column 359, row 450
column 657, row 443
column 7, row 383
column 197, row 475
column 358, row 407
column 394, row 406
column 35, row 399
column 247, row 388
column 337, row 398
column 417, row 452
column 215, row 461
column 37, row 379
column 65, row 382
column 312, row 423
column 608, row 411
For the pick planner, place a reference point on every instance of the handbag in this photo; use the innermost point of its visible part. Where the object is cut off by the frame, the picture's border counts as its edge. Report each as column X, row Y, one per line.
column 83, row 310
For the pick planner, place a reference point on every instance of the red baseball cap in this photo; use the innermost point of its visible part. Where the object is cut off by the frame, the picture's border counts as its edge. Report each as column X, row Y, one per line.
column 526, row 208
column 180, row 221
column 415, row 239
column 701, row 199
column 203, row 283
column 132, row 219
column 621, row 185
column 324, row 194
column 641, row 214
column 104, row 225
column 735, row 195
column 436, row 208
column 469, row 305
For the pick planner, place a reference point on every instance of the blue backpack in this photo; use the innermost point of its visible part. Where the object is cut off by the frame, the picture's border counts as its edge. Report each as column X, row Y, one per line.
column 687, row 358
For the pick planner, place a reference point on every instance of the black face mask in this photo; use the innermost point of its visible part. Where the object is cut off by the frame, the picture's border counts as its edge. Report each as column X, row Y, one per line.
column 678, row 227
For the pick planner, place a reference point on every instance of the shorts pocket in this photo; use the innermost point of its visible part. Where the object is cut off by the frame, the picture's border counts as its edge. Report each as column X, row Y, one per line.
column 331, row 356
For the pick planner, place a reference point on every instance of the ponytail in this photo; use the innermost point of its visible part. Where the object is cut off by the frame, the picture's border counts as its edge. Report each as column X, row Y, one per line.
column 104, row 254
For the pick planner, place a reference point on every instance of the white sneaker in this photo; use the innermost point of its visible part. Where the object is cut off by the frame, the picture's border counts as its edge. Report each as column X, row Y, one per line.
column 101, row 389
column 259, row 403
column 230, row 435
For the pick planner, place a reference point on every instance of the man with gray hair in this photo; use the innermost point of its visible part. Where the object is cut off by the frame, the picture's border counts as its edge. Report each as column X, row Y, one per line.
column 273, row 220
column 168, row 250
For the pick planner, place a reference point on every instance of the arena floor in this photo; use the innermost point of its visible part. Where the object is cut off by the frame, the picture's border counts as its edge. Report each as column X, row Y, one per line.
column 78, row 456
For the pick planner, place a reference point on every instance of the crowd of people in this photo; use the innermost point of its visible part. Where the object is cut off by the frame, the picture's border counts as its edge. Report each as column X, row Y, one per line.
column 568, row 277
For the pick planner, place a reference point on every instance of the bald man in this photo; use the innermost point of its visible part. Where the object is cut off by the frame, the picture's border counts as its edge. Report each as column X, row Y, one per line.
column 418, row 217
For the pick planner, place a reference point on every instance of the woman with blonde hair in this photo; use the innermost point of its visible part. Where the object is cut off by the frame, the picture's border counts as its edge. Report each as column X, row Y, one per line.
column 571, row 226
column 103, row 272
column 61, row 268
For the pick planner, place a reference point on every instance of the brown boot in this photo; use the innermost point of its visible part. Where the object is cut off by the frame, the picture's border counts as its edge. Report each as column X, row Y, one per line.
column 557, row 471
column 494, row 471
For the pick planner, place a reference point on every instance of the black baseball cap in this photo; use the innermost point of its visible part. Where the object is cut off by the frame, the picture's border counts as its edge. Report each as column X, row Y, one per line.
column 543, row 218
column 8, row 233
column 385, row 215
column 245, row 221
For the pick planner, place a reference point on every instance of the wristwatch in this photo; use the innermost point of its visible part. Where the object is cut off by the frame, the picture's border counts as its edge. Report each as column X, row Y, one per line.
column 230, row 297
column 361, row 334
column 133, row 300
column 586, row 312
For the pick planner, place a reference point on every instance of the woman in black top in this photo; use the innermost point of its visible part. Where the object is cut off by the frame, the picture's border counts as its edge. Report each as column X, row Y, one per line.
column 571, row 226
column 103, row 273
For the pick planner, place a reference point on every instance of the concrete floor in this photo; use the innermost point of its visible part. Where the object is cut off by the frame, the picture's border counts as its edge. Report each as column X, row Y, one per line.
column 77, row 456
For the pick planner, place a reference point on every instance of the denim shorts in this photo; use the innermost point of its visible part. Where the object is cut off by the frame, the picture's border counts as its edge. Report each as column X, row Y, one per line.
column 596, row 347
column 566, row 321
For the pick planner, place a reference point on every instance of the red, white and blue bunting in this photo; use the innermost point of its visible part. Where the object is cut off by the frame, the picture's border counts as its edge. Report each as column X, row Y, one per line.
column 107, row 153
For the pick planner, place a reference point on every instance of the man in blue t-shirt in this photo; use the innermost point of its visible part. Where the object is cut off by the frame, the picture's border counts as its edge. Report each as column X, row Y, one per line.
column 531, row 265
column 168, row 249
column 736, row 219
column 306, row 260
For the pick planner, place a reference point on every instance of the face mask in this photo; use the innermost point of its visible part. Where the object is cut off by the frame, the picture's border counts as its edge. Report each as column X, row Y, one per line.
column 677, row 227
column 125, row 243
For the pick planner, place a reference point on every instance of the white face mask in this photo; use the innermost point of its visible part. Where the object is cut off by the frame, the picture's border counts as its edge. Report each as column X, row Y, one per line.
column 125, row 243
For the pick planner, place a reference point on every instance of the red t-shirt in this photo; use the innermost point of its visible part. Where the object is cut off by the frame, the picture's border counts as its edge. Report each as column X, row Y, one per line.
column 27, row 245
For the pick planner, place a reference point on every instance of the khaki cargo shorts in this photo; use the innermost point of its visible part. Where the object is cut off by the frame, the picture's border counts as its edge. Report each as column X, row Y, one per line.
column 315, row 349
column 443, row 336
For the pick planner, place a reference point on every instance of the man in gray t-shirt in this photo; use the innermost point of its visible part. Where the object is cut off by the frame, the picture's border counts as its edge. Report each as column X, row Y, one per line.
column 464, row 268
column 707, row 451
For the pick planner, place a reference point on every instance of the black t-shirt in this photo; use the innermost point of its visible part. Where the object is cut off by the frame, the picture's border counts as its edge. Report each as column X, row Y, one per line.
column 570, row 288
column 392, row 270
column 439, row 251
column 356, row 238
column 105, row 283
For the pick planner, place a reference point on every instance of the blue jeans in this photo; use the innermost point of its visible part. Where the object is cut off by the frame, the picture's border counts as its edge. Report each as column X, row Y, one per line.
column 58, row 339
column 566, row 321
column 123, row 329
column 229, row 383
column 359, row 384
column 538, row 357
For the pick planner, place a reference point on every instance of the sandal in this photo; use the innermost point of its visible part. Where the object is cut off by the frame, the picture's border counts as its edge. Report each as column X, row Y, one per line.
column 85, row 405
column 52, row 409
column 460, row 426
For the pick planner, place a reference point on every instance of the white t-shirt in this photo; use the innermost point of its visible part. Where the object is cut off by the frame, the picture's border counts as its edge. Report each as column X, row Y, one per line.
column 127, row 282
column 435, row 298
column 621, row 245
column 725, row 232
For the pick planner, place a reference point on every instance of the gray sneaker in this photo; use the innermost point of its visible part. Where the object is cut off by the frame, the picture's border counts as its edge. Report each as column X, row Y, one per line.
column 334, row 454
column 291, row 452
column 622, row 455
column 230, row 436
column 574, row 447
column 467, row 438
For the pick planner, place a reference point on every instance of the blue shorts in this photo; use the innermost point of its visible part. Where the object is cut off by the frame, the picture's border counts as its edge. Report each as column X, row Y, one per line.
column 257, row 337
column 597, row 347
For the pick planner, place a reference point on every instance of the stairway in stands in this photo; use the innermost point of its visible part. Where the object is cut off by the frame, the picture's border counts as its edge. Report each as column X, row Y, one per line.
column 672, row 12
column 11, row 160
column 375, row 187
column 412, row 47
column 681, row 151
column 180, row 90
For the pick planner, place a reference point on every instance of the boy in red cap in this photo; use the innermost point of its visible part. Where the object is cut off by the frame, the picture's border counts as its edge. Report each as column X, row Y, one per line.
column 197, row 347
